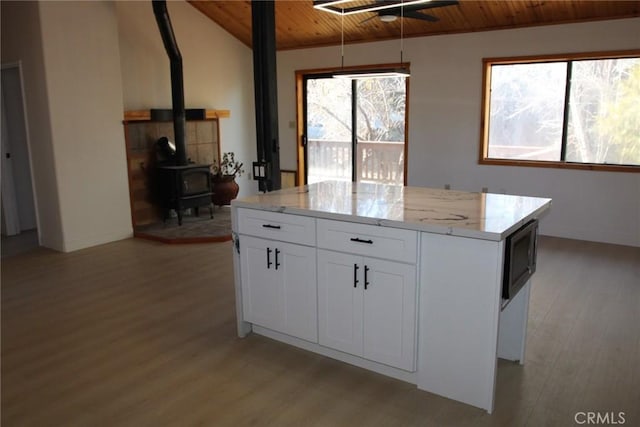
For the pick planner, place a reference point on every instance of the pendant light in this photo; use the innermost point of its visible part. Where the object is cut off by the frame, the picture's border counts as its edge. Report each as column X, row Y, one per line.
column 401, row 71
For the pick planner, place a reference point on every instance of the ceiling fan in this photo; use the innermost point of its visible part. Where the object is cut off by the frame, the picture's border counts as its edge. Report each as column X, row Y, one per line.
column 409, row 11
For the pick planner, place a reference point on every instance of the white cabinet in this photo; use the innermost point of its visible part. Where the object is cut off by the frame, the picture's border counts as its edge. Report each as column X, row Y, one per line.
column 355, row 292
column 368, row 240
column 279, row 286
column 278, row 272
column 277, row 226
column 366, row 307
column 340, row 301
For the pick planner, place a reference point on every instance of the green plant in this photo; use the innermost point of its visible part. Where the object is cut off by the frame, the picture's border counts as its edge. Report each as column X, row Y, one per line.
column 228, row 167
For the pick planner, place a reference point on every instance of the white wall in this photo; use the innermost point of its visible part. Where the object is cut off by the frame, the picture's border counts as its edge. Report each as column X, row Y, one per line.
column 82, row 62
column 218, row 72
column 22, row 41
column 444, row 121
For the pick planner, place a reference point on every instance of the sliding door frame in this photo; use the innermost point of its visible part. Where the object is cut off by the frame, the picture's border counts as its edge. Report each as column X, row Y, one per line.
column 301, row 77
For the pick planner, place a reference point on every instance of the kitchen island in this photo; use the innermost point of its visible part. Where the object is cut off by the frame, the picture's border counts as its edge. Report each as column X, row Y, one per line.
column 404, row 281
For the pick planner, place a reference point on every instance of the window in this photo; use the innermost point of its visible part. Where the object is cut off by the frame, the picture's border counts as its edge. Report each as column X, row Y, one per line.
column 580, row 112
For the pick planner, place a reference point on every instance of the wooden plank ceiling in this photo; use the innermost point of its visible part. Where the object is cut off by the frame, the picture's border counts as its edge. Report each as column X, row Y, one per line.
column 299, row 25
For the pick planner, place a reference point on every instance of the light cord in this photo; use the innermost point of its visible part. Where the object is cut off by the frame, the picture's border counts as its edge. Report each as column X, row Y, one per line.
column 342, row 39
column 401, row 29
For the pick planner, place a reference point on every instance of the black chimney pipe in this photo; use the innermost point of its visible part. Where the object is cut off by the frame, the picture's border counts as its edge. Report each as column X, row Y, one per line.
column 177, row 84
column 263, row 27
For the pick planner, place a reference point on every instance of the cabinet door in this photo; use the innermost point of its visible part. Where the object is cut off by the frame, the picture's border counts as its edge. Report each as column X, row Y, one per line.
column 390, row 313
column 297, row 269
column 262, row 289
column 279, row 286
column 339, row 301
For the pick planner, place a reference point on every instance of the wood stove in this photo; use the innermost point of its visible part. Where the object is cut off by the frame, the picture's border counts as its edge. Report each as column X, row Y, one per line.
column 184, row 187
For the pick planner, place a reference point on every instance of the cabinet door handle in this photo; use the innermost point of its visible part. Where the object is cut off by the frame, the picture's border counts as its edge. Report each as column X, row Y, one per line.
column 277, row 263
column 366, row 279
column 277, row 227
column 359, row 240
column 269, row 258
column 355, row 275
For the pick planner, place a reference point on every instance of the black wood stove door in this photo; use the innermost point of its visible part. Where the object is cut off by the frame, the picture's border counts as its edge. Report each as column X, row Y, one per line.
column 184, row 187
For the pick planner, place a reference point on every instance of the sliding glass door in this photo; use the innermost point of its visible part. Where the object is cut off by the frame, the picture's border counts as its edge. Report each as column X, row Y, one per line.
column 329, row 132
column 355, row 129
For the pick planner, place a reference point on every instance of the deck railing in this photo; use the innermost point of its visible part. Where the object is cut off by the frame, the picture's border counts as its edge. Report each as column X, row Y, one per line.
column 380, row 162
column 519, row 152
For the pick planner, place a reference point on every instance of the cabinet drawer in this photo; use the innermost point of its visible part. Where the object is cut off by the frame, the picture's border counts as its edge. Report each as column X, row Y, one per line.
column 277, row 226
column 369, row 240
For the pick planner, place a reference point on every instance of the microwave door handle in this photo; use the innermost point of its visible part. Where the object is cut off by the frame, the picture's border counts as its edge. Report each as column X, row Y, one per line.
column 534, row 251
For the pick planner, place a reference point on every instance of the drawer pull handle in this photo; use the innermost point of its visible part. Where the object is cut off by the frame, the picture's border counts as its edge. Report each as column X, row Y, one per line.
column 269, row 258
column 366, row 279
column 355, row 275
column 277, row 263
column 359, row 240
column 277, row 227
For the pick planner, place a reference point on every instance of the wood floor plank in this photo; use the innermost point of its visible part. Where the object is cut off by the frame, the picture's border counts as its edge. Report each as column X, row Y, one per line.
column 138, row 333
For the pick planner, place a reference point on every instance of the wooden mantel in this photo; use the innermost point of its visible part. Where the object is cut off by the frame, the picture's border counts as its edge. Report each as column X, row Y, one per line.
column 145, row 115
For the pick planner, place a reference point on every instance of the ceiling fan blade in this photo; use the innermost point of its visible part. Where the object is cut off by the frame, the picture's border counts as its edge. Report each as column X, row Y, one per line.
column 368, row 19
column 419, row 6
column 421, row 16
column 412, row 11
column 436, row 3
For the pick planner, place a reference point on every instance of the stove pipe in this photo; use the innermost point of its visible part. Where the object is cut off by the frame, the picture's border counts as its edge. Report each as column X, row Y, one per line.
column 177, row 85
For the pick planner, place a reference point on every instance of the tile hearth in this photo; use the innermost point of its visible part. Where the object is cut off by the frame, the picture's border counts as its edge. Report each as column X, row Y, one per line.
column 194, row 229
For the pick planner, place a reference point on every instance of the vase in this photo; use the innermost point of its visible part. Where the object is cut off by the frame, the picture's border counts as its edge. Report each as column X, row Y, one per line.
column 224, row 189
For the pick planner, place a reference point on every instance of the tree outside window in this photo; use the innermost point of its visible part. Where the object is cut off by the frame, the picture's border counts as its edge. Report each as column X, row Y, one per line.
column 578, row 111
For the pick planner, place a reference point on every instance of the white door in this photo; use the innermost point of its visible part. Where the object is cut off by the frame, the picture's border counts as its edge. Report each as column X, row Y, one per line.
column 10, row 218
column 296, row 266
column 340, row 288
column 17, row 188
column 389, row 313
column 262, row 290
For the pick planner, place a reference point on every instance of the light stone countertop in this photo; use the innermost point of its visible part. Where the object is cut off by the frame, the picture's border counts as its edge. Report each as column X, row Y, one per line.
column 477, row 215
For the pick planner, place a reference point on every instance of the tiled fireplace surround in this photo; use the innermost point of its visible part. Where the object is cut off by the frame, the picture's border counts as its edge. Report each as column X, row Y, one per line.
column 203, row 148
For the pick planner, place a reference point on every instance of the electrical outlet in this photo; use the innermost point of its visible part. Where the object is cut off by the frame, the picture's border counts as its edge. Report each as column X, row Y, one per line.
column 447, row 187
column 292, row 124
column 485, row 189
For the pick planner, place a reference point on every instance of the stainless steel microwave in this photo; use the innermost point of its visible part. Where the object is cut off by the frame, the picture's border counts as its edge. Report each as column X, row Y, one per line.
column 520, row 255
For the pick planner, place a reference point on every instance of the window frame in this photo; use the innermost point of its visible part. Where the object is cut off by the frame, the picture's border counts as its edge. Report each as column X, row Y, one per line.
column 487, row 63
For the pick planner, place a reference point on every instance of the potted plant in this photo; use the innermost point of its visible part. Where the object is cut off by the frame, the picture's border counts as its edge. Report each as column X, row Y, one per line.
column 223, row 184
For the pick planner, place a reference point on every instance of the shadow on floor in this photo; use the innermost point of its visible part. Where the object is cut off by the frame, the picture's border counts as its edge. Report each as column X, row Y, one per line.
column 20, row 243
column 194, row 229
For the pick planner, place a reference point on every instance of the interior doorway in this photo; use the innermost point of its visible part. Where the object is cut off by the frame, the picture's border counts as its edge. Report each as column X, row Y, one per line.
column 353, row 129
column 18, row 205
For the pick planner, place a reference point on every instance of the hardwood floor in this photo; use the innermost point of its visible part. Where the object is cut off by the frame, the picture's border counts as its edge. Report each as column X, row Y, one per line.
column 138, row 333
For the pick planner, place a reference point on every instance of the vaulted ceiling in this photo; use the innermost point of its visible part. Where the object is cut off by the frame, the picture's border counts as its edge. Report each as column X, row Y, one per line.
column 299, row 25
